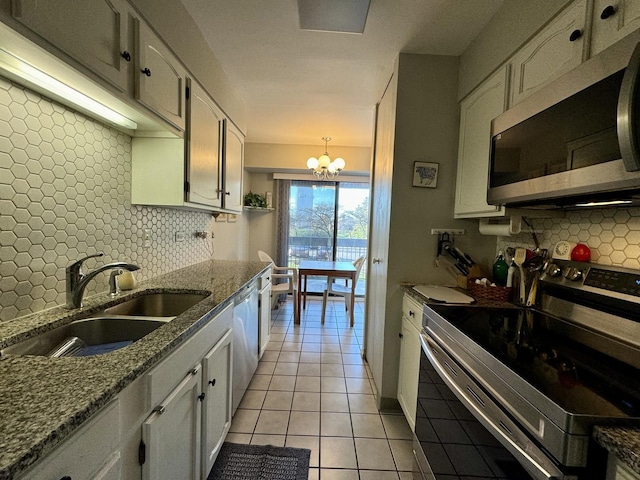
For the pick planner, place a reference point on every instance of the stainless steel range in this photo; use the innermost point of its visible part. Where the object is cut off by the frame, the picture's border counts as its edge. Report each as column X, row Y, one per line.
column 514, row 392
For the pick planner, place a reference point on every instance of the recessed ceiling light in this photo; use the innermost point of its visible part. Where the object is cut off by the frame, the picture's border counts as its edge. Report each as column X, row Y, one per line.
column 346, row 16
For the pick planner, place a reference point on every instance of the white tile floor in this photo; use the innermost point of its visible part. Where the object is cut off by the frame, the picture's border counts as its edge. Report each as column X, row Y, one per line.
column 313, row 390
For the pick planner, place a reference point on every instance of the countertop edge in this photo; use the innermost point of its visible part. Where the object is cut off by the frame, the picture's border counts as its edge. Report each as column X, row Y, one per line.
column 624, row 442
column 189, row 325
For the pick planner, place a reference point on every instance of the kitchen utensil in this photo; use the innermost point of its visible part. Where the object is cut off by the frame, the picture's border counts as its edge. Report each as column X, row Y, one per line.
column 519, row 258
column 534, row 265
column 464, row 257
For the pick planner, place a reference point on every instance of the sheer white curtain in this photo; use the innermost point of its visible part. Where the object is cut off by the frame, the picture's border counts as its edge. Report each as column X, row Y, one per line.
column 283, row 188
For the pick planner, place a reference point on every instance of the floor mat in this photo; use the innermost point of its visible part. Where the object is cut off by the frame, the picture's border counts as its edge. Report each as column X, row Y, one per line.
column 260, row 462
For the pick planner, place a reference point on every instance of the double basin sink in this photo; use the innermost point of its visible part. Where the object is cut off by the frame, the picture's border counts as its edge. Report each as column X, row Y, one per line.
column 113, row 328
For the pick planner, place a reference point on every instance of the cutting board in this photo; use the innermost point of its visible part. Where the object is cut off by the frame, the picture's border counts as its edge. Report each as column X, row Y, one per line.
column 438, row 293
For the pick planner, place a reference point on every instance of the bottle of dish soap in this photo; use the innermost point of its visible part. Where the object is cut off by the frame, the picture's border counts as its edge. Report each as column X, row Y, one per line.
column 500, row 270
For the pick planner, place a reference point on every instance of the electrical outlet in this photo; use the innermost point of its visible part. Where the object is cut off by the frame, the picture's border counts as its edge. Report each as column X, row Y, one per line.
column 450, row 231
column 180, row 236
column 147, row 238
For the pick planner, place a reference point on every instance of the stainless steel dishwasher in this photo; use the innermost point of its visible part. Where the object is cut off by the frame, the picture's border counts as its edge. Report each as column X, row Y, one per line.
column 245, row 341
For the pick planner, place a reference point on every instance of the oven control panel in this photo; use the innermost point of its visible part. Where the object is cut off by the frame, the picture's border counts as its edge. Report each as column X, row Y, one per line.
column 605, row 280
column 622, row 282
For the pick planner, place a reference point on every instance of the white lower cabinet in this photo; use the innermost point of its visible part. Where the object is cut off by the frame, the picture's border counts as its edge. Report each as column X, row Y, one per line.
column 618, row 470
column 91, row 453
column 189, row 394
column 409, row 358
column 216, row 406
column 264, row 311
column 171, row 434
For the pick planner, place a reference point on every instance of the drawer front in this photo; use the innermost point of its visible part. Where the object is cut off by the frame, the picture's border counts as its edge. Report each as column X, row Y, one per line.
column 265, row 279
column 412, row 311
column 164, row 377
column 90, row 451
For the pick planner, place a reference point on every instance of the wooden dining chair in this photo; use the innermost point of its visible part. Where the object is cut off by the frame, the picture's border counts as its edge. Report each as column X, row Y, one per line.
column 334, row 288
column 278, row 286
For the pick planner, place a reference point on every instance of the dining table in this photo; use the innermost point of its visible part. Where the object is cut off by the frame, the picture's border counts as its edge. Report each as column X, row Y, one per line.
column 329, row 269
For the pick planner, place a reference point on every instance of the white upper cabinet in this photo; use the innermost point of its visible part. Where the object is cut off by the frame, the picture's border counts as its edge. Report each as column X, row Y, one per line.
column 558, row 48
column 204, row 150
column 476, row 112
column 233, row 167
column 92, row 32
column 160, row 79
column 612, row 20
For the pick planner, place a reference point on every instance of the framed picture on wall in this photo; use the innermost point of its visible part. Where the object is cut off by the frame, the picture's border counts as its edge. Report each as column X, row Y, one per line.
column 425, row 174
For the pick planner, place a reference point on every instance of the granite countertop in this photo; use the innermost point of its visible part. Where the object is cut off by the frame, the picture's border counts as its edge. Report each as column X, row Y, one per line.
column 621, row 441
column 43, row 400
column 624, row 442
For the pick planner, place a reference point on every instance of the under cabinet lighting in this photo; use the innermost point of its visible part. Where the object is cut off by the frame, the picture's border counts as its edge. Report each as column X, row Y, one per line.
column 604, row 204
column 18, row 69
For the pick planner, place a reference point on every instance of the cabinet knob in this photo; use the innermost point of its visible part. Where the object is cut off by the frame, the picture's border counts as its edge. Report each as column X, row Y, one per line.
column 146, row 71
column 608, row 11
column 212, row 382
column 227, row 193
column 376, row 260
column 126, row 55
column 411, row 313
column 66, row 477
column 201, row 396
column 400, row 335
column 160, row 409
column 575, row 35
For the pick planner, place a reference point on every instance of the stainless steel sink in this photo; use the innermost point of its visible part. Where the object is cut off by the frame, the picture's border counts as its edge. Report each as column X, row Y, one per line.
column 157, row 304
column 100, row 334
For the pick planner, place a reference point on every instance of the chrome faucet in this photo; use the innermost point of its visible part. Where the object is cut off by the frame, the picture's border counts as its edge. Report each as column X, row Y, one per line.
column 77, row 280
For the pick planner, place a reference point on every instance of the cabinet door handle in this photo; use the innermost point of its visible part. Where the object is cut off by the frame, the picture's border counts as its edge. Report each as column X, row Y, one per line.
column 146, row 71
column 212, row 382
column 201, row 396
column 608, row 11
column 159, row 409
column 126, row 55
column 575, row 35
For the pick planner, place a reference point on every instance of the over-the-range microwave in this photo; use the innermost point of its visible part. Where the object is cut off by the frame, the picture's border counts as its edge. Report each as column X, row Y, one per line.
column 575, row 141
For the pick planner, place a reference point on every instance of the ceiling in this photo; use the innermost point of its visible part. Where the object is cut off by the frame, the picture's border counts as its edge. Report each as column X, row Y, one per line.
column 301, row 85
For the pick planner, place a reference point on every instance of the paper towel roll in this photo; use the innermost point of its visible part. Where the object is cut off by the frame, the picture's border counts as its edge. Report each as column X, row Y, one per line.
column 496, row 229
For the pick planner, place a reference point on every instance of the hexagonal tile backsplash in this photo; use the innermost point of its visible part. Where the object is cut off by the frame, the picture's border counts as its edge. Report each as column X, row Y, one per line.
column 65, row 183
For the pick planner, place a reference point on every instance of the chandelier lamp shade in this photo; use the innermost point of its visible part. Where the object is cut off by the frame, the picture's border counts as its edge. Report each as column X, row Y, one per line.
column 322, row 167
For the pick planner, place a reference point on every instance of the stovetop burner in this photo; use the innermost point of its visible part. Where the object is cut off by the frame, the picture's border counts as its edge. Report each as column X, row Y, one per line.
column 543, row 350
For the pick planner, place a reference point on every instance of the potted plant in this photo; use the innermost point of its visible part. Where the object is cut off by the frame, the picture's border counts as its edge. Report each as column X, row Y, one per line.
column 255, row 200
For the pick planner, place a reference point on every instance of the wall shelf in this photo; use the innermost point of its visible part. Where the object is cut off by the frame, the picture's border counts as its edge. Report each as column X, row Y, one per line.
column 258, row 209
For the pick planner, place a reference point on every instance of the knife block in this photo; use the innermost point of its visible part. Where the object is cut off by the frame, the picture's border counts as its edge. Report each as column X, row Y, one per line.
column 474, row 272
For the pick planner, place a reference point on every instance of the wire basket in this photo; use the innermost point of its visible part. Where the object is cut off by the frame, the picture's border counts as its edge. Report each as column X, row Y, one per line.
column 500, row 294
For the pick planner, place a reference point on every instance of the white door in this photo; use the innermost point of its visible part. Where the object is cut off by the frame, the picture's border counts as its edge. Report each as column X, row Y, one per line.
column 93, row 32
column 204, row 172
column 171, row 434
column 160, row 79
column 379, row 231
column 476, row 112
column 216, row 411
column 233, row 167
column 264, row 307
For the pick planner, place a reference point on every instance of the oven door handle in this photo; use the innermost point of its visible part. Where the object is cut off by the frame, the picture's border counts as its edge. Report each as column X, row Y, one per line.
column 532, row 465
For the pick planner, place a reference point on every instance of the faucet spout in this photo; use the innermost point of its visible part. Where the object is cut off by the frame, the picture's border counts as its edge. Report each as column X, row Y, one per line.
column 77, row 280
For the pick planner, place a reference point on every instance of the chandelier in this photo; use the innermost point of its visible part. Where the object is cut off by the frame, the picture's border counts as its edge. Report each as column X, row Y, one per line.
column 322, row 167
